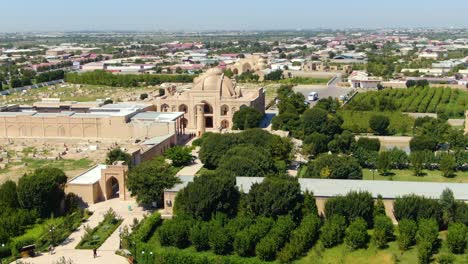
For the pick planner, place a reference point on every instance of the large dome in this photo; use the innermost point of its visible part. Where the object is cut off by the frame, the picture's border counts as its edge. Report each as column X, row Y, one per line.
column 214, row 80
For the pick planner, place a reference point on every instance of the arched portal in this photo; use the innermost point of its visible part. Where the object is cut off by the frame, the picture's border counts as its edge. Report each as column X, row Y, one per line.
column 183, row 123
column 113, row 188
column 183, row 108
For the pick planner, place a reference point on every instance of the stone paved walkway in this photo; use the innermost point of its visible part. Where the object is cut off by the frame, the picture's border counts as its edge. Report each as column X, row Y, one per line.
column 106, row 253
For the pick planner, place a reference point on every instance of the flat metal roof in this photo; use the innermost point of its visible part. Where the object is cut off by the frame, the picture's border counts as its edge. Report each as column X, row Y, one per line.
column 90, row 176
column 184, row 180
column 158, row 116
column 387, row 189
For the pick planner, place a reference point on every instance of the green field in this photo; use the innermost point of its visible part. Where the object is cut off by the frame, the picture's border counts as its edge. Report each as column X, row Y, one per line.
column 450, row 102
column 408, row 175
column 371, row 255
column 358, row 121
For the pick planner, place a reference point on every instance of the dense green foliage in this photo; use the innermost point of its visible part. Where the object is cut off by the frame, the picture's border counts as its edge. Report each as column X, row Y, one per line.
column 448, row 102
column 456, row 238
column 383, row 230
column 206, row 195
column 406, row 233
column 333, row 231
column 416, row 208
column 356, row 234
column 371, row 144
column 124, row 80
column 148, row 227
column 118, row 154
column 148, row 180
column 351, row 206
column 334, row 167
column 274, row 197
column 275, row 239
column 42, row 191
column 269, row 153
column 379, row 124
column 246, row 117
column 179, row 155
column 358, row 121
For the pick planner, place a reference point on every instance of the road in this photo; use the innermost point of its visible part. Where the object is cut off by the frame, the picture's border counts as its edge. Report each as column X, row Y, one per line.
column 323, row 91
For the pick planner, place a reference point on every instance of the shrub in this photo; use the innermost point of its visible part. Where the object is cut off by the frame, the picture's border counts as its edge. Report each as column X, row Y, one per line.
column 302, row 239
column 199, row 236
column 424, row 142
column 267, row 248
column 379, row 124
column 371, row 144
column 356, row 234
column 445, row 258
column 456, row 238
column 428, row 231
column 424, row 252
column 246, row 117
column 416, row 207
column 333, row 231
column 352, row 206
column 406, row 233
column 175, row 233
column 334, row 167
column 143, row 96
column 148, row 227
column 246, row 240
column 383, row 230
column 220, row 239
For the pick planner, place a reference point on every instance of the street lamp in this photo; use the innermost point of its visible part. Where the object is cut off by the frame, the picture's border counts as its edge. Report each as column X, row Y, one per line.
column 373, row 173
column 1, row 259
column 52, row 237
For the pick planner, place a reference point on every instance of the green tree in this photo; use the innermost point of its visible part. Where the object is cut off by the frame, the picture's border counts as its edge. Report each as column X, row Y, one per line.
column 206, row 195
column 356, row 234
column 447, row 165
column 199, row 236
column 148, row 180
column 421, row 143
column 179, row 155
column 315, row 143
column 417, row 162
column 456, row 238
column 42, row 190
column 371, row 144
column 8, row 195
column 118, row 154
column 428, row 231
column 406, row 233
column 246, row 117
column 379, row 124
column 175, row 232
column 274, row 197
column 383, row 230
column 384, row 162
column 337, row 167
column 449, row 206
column 333, row 231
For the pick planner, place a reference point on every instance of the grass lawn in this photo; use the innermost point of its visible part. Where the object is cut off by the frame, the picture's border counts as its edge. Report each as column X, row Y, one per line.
column 63, row 164
column 370, row 255
column 358, row 121
column 408, row 175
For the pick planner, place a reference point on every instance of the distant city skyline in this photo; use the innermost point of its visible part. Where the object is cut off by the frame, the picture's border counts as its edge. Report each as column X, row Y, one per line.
column 147, row 15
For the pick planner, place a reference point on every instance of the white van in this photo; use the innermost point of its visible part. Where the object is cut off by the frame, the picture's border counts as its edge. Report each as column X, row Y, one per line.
column 313, row 96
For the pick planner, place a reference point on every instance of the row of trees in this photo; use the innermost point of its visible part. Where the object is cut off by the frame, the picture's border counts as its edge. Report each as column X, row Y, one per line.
column 100, row 77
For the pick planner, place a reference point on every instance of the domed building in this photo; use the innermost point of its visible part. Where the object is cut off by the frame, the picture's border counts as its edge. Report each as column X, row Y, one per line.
column 211, row 103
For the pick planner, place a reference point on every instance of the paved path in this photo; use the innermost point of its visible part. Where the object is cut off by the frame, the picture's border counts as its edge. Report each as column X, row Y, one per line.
column 106, row 253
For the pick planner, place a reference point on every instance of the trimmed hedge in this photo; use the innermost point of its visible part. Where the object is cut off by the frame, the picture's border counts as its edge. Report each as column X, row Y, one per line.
column 148, row 227
column 174, row 256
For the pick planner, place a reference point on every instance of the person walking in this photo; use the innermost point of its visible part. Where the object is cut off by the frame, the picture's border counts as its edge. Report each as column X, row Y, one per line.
column 95, row 252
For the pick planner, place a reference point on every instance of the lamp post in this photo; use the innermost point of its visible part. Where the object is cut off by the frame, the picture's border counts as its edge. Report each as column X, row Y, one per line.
column 143, row 257
column 52, row 235
column 151, row 256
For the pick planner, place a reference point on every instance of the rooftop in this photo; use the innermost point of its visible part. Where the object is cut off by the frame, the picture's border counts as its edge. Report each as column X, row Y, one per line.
column 90, row 176
column 387, row 189
column 184, row 180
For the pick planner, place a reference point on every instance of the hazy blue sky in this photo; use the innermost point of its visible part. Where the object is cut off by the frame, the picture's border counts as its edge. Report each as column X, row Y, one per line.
column 33, row 15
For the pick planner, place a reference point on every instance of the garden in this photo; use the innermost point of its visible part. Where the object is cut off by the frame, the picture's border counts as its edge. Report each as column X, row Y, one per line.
column 95, row 237
column 31, row 212
column 446, row 102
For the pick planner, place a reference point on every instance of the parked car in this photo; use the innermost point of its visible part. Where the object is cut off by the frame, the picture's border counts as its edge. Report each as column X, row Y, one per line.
column 313, row 96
